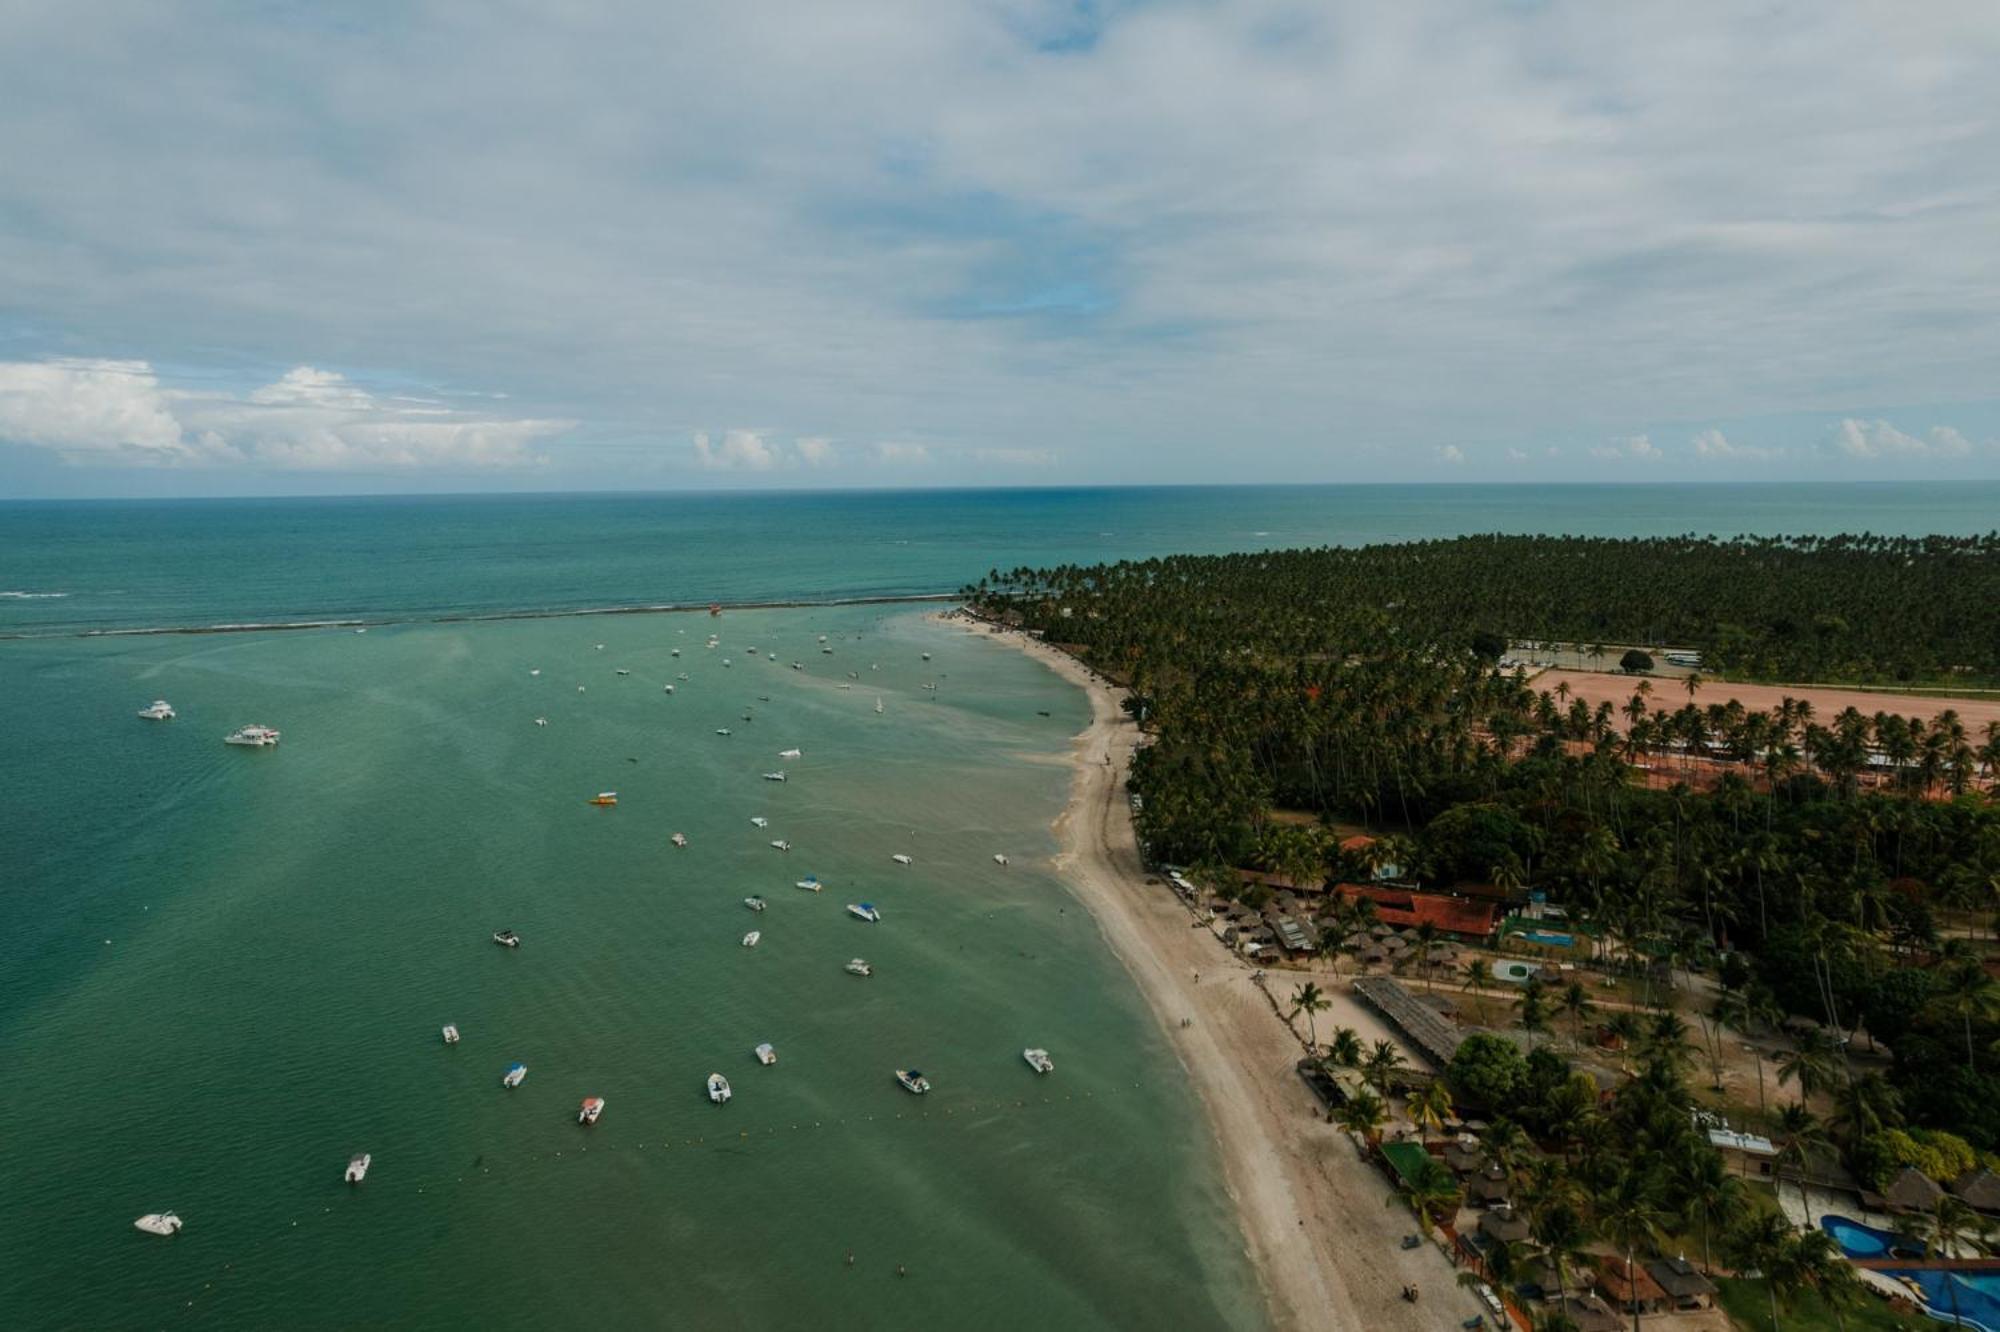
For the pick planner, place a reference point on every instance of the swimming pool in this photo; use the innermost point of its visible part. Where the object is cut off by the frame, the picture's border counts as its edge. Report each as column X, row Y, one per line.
column 1975, row 1296
column 1549, row 937
column 1859, row 1241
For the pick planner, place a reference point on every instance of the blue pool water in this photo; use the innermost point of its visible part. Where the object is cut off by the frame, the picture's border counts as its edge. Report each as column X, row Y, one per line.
column 1857, row 1240
column 1549, row 937
column 1972, row 1299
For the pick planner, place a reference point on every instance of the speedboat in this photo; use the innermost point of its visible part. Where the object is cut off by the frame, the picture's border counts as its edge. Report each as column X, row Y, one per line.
column 999, row 859
column 725, row 661
column 864, row 911
column 927, row 656
column 878, row 707
column 679, row 839
column 752, row 939
column 580, row 689
column 913, row 1081
column 722, row 730
column 847, row 686
column 676, row 652
column 1039, row 1060
column 772, row 655
column 860, row 967
column 759, row 821
column 159, row 1223
column 623, row 671
column 600, row 647
column 592, row 1107
column 789, row 753
column 822, row 638
column 902, row 859
column 798, row 665
column 718, row 1089
column 765, row 1054
column 158, row 710
column 774, row 776
column 670, row 689
column 357, row 1168
column 605, row 798
column 535, row 671
column 257, row 737
column 810, row 883
column 507, row 938
column 541, row 721
column 451, row 1033
column 514, row 1074
column 782, row 845
column 754, row 903
column 682, row 677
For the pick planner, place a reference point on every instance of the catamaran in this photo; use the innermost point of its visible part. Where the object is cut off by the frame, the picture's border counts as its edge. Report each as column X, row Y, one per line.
column 159, row 1223
column 592, row 1107
column 357, row 1168
column 158, row 710
column 257, row 737
column 514, row 1074
column 718, row 1089
column 1039, row 1060
column 864, row 911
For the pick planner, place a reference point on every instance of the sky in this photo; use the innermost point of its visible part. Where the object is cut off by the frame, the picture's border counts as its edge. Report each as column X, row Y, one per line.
column 275, row 248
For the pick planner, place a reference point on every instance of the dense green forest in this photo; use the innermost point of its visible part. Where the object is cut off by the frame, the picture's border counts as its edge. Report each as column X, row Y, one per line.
column 1860, row 609
column 1844, row 868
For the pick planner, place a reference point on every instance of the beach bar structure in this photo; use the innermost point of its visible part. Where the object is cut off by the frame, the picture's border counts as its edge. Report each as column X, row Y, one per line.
column 1423, row 1026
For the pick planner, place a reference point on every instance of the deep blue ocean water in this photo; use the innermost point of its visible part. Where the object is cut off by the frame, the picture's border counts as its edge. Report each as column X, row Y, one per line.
column 70, row 566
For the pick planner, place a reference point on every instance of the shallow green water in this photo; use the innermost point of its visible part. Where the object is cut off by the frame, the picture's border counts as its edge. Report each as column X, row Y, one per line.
column 288, row 929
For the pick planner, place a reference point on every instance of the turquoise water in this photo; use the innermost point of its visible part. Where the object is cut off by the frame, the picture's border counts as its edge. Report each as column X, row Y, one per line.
column 103, row 565
column 1857, row 1240
column 225, row 971
column 1966, row 1299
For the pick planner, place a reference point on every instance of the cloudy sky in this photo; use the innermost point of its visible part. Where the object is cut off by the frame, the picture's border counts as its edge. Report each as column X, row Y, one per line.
column 276, row 247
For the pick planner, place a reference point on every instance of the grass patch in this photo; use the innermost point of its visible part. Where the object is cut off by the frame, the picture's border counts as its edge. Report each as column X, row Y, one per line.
column 1748, row 1304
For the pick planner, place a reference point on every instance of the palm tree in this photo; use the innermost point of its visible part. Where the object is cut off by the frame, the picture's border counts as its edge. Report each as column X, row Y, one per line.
column 1948, row 1216
column 1431, row 1107
column 1711, row 1197
column 1534, row 1009
column 1307, row 999
column 1363, row 1114
column 1344, row 1048
column 1382, row 1063
column 1968, row 994
column 1629, row 1215
column 1804, row 1136
column 1810, row 1063
column 1576, row 1003
column 1427, row 1190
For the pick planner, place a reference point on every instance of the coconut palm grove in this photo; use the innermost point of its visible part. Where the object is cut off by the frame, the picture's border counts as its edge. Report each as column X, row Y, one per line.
column 1759, row 939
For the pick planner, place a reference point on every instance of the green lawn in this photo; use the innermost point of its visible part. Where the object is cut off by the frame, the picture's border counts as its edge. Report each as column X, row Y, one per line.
column 1749, row 1306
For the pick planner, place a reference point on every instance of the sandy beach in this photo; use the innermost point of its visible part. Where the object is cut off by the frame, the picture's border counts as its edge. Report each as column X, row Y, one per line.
column 1315, row 1215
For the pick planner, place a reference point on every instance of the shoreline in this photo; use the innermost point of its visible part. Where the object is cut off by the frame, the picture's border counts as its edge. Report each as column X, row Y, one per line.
column 1312, row 1211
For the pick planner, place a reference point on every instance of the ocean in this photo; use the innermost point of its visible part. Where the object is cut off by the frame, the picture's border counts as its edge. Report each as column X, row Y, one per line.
column 224, row 970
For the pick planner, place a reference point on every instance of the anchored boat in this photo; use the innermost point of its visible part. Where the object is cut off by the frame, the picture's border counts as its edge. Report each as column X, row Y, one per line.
column 718, row 1089
column 592, row 1107
column 159, row 1223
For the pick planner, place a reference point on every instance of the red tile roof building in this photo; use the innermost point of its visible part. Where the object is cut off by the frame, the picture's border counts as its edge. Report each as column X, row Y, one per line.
column 1402, row 908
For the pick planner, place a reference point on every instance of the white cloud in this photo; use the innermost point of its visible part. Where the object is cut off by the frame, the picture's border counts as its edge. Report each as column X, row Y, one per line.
column 895, row 454
column 1451, row 454
column 1016, row 457
column 310, row 420
column 1713, row 444
column 1879, row 439
column 816, row 451
column 1638, row 448
column 740, row 450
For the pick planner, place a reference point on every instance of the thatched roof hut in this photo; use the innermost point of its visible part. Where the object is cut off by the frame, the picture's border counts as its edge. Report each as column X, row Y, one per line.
column 1911, row 1191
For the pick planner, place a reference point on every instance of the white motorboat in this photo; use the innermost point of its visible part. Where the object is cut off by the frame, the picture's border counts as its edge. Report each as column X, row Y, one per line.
column 774, row 776
column 357, row 1168
column 1039, row 1060
column 927, row 656
column 535, row 671
column 676, row 652
column 752, row 939
column 999, row 859
column 679, row 839
column 541, row 721
column 580, row 689
column 789, row 753
column 514, row 1075
column 507, row 938
column 592, row 1107
column 451, row 1033
column 682, row 677
column 722, row 730
column 798, row 665
column 669, row 689
column 755, row 903
column 878, row 707
column 913, row 1081
column 765, row 1054
column 902, row 859
column 759, row 821
column 860, row 967
column 257, row 737
column 159, row 1223
column 864, row 911
column 810, row 883
column 600, row 647
column 822, row 638
column 772, row 655
column 622, row 671
column 158, row 710
column 725, row 661
column 718, row 1089
column 782, row 845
